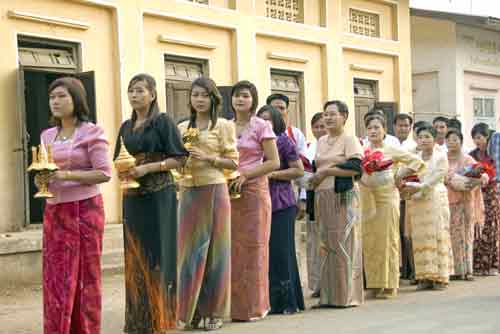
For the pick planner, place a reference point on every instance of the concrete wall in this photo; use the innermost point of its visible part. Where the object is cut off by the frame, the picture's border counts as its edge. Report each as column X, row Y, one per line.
column 478, row 72
column 433, row 46
column 452, row 64
column 122, row 40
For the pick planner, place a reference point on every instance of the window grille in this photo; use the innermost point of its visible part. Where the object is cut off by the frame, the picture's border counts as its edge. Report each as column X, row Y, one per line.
column 363, row 23
column 286, row 10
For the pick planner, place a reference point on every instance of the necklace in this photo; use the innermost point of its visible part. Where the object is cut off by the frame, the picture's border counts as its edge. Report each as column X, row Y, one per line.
column 241, row 127
column 64, row 138
column 332, row 140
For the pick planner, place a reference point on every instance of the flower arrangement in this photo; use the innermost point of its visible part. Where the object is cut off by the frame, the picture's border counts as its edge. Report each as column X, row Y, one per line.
column 374, row 161
column 477, row 170
column 472, row 176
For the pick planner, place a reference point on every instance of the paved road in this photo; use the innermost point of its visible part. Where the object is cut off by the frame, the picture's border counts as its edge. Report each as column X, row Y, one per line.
column 466, row 307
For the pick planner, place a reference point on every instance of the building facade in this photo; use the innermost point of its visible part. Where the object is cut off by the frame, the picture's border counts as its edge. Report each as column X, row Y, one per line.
column 456, row 68
column 354, row 50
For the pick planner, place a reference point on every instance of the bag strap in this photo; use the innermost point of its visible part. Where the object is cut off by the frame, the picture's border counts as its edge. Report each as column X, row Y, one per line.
column 290, row 134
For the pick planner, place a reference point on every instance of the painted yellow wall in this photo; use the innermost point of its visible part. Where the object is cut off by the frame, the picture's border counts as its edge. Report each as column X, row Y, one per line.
column 310, row 70
column 379, row 68
column 221, row 61
column 385, row 11
column 99, row 54
column 123, row 41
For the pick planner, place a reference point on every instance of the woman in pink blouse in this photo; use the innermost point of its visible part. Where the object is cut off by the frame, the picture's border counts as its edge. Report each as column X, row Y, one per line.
column 251, row 214
column 73, row 221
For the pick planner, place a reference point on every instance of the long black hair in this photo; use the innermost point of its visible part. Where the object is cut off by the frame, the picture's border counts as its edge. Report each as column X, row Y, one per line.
column 154, row 109
column 215, row 100
column 279, row 125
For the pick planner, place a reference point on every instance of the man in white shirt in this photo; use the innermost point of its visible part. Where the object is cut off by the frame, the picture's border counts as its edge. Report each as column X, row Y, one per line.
column 281, row 103
column 440, row 123
column 402, row 130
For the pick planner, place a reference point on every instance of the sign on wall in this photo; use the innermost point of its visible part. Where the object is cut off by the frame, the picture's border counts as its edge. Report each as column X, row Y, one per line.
column 480, row 48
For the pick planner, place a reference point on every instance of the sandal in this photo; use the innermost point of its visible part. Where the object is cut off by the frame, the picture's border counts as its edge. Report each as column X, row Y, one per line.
column 213, row 324
column 440, row 286
column 424, row 285
column 391, row 293
column 469, row 278
column 379, row 294
column 197, row 322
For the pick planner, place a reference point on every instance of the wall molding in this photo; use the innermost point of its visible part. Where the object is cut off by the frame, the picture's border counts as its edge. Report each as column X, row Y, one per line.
column 487, row 89
column 52, row 20
column 189, row 19
column 366, row 68
column 288, row 37
column 369, row 50
column 287, row 57
column 186, row 42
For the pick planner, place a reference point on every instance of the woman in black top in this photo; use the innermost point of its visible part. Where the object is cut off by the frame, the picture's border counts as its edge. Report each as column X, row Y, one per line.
column 150, row 211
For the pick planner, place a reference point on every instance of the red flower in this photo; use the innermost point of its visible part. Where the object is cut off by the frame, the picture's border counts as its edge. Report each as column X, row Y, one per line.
column 373, row 161
column 411, row 178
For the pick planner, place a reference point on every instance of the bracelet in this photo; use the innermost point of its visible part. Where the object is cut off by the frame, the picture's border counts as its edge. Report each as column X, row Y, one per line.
column 215, row 161
column 67, row 175
column 163, row 166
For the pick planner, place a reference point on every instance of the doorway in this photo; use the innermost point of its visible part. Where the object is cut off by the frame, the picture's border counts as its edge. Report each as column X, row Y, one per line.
column 40, row 63
column 289, row 84
column 365, row 96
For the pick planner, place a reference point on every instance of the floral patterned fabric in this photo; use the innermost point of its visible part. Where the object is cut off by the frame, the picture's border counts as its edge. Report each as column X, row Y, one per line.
column 72, row 247
column 486, row 241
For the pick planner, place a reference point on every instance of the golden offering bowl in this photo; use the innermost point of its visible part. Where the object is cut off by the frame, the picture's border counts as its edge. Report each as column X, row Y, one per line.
column 43, row 165
column 42, row 182
column 231, row 177
column 123, row 163
column 189, row 138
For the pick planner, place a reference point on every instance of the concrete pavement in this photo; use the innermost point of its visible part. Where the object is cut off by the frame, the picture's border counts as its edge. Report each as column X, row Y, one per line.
column 466, row 307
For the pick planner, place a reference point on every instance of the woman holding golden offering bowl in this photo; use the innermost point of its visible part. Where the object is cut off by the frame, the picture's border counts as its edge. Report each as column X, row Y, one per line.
column 205, row 211
column 73, row 222
column 43, row 165
column 150, row 211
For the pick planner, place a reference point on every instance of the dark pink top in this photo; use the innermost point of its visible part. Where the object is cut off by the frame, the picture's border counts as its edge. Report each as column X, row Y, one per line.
column 87, row 150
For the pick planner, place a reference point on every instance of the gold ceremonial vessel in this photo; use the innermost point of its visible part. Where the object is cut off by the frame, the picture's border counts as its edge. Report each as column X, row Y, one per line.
column 189, row 138
column 43, row 165
column 231, row 176
column 123, row 163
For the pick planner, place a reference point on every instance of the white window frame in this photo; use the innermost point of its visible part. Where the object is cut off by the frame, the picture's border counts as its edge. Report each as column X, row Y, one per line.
column 490, row 120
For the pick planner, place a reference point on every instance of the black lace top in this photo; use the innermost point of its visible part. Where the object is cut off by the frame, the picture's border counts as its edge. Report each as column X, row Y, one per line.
column 156, row 142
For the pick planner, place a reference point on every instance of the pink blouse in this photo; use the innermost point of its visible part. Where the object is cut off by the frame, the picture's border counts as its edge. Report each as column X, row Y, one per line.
column 87, row 150
column 250, row 143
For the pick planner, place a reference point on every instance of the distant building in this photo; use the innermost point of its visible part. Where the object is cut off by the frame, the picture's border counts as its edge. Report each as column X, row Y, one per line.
column 456, row 67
